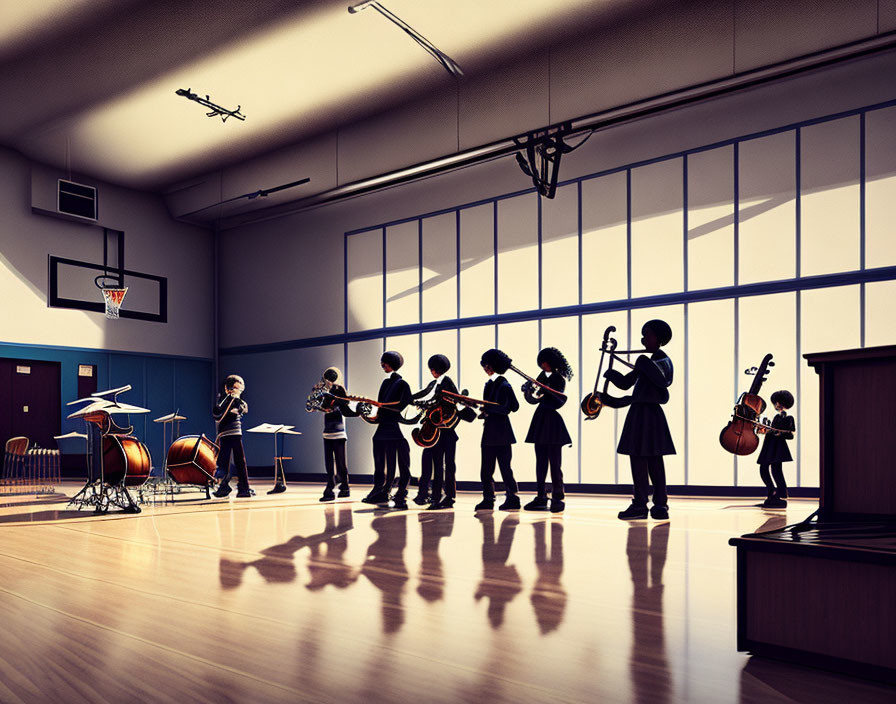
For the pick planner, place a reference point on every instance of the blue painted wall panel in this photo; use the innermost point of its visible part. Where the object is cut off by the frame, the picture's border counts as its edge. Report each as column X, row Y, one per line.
column 157, row 380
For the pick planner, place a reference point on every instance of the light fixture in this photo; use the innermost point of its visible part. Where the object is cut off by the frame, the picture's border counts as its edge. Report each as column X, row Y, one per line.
column 215, row 110
column 447, row 62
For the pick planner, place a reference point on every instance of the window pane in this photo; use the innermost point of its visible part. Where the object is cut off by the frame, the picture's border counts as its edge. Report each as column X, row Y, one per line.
column 473, row 342
column 441, row 342
column 767, row 210
column 657, row 228
column 829, row 205
column 604, row 239
column 477, row 261
column 880, row 188
column 402, row 274
column 829, row 321
column 711, row 219
column 563, row 333
column 365, row 280
column 518, row 253
column 440, row 267
column 363, row 378
column 600, row 463
column 520, row 342
column 560, row 248
column 711, row 392
column 880, row 314
column 767, row 326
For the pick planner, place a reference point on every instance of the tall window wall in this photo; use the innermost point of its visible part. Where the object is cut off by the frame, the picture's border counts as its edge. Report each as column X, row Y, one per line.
column 780, row 242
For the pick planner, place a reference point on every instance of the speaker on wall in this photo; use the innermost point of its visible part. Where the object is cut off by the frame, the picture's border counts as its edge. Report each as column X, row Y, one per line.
column 77, row 199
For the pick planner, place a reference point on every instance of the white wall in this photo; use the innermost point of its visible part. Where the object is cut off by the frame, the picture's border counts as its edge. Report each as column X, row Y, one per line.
column 154, row 244
column 298, row 260
column 651, row 49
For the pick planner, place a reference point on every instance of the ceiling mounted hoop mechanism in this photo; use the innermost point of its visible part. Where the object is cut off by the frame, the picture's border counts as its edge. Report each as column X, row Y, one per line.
column 543, row 151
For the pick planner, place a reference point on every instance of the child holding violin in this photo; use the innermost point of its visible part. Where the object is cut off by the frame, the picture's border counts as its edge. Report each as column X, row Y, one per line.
column 645, row 436
column 438, row 464
column 497, row 433
column 389, row 444
column 547, row 430
column 228, row 412
column 775, row 452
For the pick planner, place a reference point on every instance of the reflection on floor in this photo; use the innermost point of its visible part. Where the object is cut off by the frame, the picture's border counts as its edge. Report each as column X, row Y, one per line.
column 281, row 598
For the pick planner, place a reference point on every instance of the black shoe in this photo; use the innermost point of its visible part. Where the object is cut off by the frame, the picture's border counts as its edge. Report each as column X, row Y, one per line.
column 633, row 513
column 400, row 504
column 539, row 503
column 511, row 503
column 447, row 502
column 343, row 494
column 557, row 506
column 279, row 488
column 660, row 513
column 328, row 496
column 380, row 497
column 222, row 491
column 775, row 503
column 421, row 499
column 248, row 494
column 485, row 505
column 434, row 506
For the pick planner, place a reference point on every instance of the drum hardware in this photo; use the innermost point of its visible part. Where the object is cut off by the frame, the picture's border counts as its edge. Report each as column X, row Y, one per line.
column 112, row 451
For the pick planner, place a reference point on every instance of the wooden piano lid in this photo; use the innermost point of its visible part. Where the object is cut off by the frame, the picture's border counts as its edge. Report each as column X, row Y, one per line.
column 857, row 392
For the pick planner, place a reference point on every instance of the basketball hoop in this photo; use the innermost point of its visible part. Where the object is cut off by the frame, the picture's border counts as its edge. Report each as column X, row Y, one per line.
column 113, row 298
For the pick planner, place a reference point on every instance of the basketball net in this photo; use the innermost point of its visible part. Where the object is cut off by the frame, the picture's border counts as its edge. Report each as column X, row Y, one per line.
column 113, row 298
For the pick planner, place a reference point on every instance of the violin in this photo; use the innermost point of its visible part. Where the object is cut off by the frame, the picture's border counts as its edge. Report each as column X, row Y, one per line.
column 365, row 408
column 465, row 400
column 741, row 435
column 528, row 387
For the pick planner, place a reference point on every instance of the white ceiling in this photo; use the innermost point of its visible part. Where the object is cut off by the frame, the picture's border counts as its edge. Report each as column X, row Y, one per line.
column 90, row 84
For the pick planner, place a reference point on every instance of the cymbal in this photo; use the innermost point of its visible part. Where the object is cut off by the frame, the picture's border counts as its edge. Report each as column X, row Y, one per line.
column 112, row 392
column 170, row 417
column 106, row 406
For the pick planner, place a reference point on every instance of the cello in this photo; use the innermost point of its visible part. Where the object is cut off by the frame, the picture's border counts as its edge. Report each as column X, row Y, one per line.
column 740, row 436
column 592, row 404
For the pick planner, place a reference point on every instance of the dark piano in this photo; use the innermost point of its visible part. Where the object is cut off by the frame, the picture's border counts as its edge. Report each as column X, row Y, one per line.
column 823, row 592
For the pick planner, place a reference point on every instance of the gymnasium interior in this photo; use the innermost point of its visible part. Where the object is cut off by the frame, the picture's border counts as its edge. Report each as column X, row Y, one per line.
column 283, row 187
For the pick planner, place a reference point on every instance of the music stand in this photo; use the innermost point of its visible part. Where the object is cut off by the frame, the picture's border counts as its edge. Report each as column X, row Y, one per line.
column 275, row 430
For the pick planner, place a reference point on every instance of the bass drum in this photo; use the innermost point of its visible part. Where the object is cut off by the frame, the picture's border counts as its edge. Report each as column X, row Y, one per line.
column 125, row 459
column 192, row 459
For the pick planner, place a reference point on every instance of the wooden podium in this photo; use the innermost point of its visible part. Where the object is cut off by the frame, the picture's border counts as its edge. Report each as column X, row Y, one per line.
column 823, row 592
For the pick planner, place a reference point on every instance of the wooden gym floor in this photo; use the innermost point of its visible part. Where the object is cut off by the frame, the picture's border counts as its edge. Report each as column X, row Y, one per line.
column 280, row 598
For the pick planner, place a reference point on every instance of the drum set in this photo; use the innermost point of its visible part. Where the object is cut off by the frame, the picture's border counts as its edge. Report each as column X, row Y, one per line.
column 117, row 461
